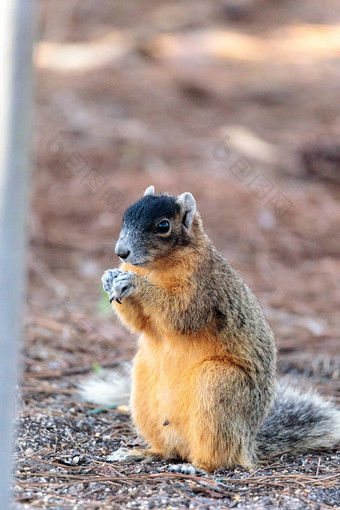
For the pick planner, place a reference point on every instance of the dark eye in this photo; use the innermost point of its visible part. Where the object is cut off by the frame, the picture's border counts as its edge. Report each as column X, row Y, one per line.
column 163, row 227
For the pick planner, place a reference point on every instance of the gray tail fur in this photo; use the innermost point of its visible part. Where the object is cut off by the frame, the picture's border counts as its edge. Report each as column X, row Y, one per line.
column 298, row 422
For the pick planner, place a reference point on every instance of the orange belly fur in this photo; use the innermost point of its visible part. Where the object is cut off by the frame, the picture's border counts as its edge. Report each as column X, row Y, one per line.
column 163, row 390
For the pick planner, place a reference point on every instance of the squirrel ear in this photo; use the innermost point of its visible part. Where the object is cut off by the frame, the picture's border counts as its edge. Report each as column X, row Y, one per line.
column 188, row 206
column 149, row 191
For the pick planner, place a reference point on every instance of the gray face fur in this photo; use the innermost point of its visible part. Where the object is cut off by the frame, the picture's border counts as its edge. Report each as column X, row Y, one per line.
column 155, row 226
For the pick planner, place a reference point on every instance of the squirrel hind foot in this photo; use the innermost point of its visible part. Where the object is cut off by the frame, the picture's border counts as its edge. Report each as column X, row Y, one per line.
column 123, row 454
column 135, row 454
column 186, row 469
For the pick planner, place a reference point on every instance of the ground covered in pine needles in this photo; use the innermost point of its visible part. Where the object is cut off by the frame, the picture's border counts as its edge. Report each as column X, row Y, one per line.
column 235, row 102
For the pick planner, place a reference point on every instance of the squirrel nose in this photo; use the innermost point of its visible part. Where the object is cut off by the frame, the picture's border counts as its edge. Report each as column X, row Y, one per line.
column 122, row 253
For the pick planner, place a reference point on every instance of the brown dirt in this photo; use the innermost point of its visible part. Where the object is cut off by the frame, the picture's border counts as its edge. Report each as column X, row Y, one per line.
column 141, row 93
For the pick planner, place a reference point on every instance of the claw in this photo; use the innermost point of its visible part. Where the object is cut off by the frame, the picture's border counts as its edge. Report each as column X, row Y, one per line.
column 115, row 299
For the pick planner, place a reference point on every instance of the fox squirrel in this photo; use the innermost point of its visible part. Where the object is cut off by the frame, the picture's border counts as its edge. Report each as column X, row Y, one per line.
column 203, row 379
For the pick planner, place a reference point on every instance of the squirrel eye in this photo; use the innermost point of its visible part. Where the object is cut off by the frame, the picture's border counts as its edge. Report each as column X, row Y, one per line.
column 163, row 227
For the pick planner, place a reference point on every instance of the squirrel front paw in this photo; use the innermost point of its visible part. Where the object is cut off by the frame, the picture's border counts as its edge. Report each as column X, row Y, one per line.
column 108, row 277
column 119, row 284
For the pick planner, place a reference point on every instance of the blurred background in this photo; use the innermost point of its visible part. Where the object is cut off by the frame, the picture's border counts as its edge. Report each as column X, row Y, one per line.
column 235, row 101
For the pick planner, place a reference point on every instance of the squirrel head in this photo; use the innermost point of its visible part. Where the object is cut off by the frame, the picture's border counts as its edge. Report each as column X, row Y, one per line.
column 155, row 227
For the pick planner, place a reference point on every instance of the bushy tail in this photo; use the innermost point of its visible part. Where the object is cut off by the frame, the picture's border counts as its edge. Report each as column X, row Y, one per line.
column 109, row 388
column 298, row 422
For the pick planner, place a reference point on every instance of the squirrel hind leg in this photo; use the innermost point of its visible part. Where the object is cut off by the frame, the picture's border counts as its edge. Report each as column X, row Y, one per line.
column 221, row 417
column 222, row 458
